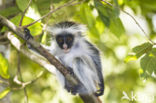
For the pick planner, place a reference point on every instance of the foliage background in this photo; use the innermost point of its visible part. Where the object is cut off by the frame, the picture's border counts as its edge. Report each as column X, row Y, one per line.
column 128, row 59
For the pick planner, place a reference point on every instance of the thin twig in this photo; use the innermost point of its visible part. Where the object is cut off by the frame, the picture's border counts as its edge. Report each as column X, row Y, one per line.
column 146, row 35
column 24, row 84
column 19, row 71
column 107, row 3
column 65, row 5
column 134, row 20
column 20, row 75
column 23, row 14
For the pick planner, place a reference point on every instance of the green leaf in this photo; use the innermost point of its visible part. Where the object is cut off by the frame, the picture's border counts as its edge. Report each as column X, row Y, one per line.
column 105, row 19
column 103, row 12
column 117, row 27
column 35, row 29
column 109, row 17
column 22, row 4
column 16, row 20
column 4, row 93
column 44, row 5
column 130, row 58
column 148, row 62
column 10, row 11
column 143, row 48
column 86, row 16
column 44, row 38
column 116, row 8
column 4, row 67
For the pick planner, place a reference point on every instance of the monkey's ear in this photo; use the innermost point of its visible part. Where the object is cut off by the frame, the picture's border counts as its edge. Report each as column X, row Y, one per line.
column 51, row 30
column 81, row 28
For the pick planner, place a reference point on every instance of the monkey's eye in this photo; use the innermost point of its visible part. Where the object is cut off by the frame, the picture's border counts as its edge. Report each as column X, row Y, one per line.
column 60, row 40
column 69, row 39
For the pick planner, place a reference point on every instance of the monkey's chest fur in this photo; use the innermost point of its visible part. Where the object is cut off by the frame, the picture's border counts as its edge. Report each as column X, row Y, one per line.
column 75, row 62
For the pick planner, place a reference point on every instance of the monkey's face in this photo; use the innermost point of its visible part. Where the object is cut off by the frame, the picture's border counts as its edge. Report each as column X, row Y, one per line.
column 65, row 41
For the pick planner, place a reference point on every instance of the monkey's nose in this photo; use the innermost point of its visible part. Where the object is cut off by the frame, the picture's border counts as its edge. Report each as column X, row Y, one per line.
column 65, row 46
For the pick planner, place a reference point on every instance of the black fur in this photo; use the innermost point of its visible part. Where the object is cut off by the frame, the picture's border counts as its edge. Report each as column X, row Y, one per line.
column 65, row 38
column 97, row 61
column 79, row 88
column 65, row 24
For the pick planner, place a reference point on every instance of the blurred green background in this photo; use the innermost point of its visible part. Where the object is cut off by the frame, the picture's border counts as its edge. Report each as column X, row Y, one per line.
column 128, row 58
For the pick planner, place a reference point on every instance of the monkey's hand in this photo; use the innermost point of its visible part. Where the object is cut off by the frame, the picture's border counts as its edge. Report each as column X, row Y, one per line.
column 27, row 35
column 74, row 89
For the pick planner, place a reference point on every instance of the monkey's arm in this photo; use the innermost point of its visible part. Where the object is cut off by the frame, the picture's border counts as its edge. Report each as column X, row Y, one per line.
column 29, row 36
column 95, row 59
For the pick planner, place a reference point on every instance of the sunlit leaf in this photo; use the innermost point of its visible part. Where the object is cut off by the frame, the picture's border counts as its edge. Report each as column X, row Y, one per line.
column 16, row 20
column 143, row 48
column 4, row 67
column 100, row 25
column 121, row 2
column 130, row 58
column 4, row 93
column 35, row 29
column 141, row 71
column 43, row 40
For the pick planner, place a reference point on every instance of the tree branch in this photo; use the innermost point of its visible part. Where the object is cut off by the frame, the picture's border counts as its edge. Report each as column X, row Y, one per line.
column 21, row 78
column 91, row 98
column 30, row 54
column 65, row 5
column 23, row 14
column 24, row 84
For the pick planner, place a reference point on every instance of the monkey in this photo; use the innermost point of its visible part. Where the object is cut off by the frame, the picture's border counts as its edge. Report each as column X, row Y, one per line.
column 78, row 55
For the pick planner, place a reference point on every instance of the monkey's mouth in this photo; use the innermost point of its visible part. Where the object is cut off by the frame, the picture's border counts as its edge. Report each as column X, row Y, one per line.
column 66, row 50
